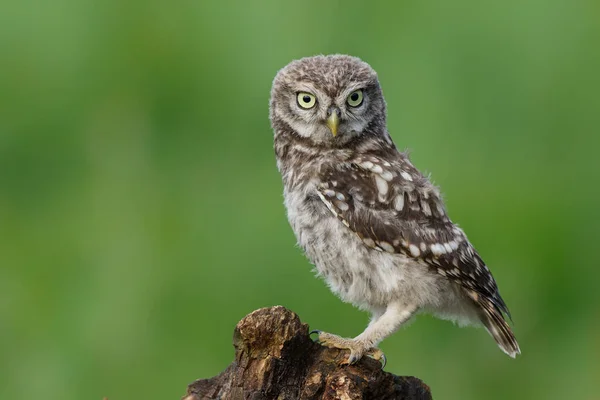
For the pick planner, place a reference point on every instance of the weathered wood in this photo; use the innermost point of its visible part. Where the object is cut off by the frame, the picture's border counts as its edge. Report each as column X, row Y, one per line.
column 276, row 359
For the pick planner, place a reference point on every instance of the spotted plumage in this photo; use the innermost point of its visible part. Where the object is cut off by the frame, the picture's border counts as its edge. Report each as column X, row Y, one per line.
column 373, row 225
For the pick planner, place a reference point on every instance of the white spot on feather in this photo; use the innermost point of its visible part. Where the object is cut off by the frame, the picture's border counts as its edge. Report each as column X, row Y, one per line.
column 377, row 169
column 425, row 208
column 342, row 205
column 369, row 242
column 406, row 176
column 414, row 250
column 387, row 175
column 382, row 185
column 399, row 202
column 437, row 249
column 386, row 246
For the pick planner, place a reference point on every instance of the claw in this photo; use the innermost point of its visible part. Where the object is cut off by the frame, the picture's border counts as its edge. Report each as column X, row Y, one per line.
column 318, row 332
column 378, row 355
column 353, row 359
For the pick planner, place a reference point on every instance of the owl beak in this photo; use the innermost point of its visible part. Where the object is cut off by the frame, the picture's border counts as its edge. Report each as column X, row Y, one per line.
column 333, row 120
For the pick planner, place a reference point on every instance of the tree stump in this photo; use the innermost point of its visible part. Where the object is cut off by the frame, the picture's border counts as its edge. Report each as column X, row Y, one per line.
column 276, row 359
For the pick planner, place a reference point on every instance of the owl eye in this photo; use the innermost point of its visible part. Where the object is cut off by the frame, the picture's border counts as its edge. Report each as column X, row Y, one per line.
column 306, row 100
column 355, row 99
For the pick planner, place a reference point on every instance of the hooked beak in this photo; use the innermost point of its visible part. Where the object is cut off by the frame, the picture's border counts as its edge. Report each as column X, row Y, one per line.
column 333, row 120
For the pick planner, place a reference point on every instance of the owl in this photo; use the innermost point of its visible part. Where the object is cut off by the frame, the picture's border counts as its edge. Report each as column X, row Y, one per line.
column 375, row 228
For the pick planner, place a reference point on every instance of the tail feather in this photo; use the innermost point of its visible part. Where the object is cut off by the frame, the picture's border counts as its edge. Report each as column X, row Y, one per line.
column 496, row 325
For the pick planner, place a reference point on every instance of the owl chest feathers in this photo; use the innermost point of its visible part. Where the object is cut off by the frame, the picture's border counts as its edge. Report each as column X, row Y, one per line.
column 339, row 256
column 360, row 275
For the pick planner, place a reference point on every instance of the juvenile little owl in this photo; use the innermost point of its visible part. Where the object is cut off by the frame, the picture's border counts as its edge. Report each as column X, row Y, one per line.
column 375, row 228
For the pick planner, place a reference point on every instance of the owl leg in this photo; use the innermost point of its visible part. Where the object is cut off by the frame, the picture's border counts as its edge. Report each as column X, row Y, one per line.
column 379, row 328
column 394, row 316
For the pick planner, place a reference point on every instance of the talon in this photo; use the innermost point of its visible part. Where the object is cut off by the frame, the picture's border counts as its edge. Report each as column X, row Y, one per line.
column 318, row 332
column 378, row 355
column 384, row 361
column 353, row 359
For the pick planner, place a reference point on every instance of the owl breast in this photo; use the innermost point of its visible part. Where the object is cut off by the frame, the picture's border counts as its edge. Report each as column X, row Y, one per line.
column 367, row 278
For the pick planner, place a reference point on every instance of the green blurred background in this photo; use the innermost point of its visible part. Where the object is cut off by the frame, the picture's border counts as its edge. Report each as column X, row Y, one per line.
column 141, row 211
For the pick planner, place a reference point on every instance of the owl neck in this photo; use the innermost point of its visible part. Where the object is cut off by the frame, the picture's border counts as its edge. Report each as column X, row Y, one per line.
column 296, row 153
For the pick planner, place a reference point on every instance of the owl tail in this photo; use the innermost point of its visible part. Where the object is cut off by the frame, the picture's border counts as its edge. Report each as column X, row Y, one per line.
column 495, row 324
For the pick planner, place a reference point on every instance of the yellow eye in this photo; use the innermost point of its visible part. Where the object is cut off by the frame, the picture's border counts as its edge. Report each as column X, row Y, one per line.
column 355, row 99
column 306, row 100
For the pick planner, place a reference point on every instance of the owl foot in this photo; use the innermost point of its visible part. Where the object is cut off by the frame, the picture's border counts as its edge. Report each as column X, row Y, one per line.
column 357, row 349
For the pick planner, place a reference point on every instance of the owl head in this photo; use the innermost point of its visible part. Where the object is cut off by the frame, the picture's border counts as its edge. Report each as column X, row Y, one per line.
column 327, row 100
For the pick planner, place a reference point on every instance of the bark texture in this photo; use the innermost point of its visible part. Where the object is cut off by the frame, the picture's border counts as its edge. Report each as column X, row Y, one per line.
column 276, row 359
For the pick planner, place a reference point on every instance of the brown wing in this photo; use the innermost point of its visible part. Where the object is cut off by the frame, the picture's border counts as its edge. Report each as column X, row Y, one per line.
column 392, row 207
